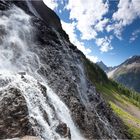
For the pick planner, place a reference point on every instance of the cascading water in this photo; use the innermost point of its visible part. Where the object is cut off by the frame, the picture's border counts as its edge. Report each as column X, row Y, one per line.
column 82, row 88
column 15, row 42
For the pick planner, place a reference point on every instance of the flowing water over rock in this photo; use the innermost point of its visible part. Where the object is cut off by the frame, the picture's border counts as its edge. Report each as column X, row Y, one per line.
column 49, row 116
column 43, row 82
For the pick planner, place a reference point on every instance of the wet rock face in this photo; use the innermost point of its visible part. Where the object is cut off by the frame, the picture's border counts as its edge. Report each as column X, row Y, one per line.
column 4, row 5
column 47, row 14
column 63, row 130
column 62, row 64
column 16, row 116
column 64, row 69
column 42, row 12
column 14, row 120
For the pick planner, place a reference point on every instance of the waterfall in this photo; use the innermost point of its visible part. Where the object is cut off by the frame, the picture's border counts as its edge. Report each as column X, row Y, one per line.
column 16, row 39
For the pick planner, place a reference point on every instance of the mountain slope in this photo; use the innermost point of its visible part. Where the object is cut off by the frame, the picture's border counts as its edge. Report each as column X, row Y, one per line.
column 128, row 73
column 48, row 74
column 102, row 66
column 125, row 103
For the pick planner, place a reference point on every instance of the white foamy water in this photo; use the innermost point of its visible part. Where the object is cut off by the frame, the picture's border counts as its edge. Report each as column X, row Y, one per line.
column 15, row 42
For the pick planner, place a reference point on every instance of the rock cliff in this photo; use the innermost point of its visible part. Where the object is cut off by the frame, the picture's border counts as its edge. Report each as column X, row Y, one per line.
column 59, row 102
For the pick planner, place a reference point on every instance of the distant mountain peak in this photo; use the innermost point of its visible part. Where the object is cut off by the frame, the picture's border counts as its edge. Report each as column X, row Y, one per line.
column 133, row 59
column 102, row 66
column 128, row 73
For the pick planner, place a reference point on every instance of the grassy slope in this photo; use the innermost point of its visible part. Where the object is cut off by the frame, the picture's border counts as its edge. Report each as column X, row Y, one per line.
column 119, row 98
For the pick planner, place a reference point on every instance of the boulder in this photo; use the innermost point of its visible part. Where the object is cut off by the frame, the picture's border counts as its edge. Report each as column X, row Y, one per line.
column 14, row 120
column 63, row 130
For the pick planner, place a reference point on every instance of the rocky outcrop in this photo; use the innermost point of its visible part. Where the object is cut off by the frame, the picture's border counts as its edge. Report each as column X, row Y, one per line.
column 14, row 120
column 63, row 130
column 38, row 9
column 54, row 59
column 41, row 11
column 47, row 14
column 4, row 5
column 63, row 66
column 17, row 118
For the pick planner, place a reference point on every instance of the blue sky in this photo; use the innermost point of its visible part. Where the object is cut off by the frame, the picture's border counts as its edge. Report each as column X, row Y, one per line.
column 107, row 30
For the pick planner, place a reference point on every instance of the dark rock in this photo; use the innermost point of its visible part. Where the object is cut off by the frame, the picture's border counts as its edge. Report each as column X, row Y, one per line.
column 14, row 120
column 4, row 5
column 63, row 67
column 63, row 130
column 22, row 74
column 43, row 12
column 47, row 14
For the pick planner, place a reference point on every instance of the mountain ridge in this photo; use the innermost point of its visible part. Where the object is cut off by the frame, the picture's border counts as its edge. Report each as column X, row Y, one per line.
column 128, row 73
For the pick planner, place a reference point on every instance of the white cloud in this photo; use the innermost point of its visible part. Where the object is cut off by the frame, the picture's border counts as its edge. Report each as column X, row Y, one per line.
column 88, row 14
column 134, row 35
column 128, row 11
column 70, row 30
column 104, row 43
column 53, row 4
column 117, row 28
column 101, row 25
column 92, row 58
column 88, row 18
